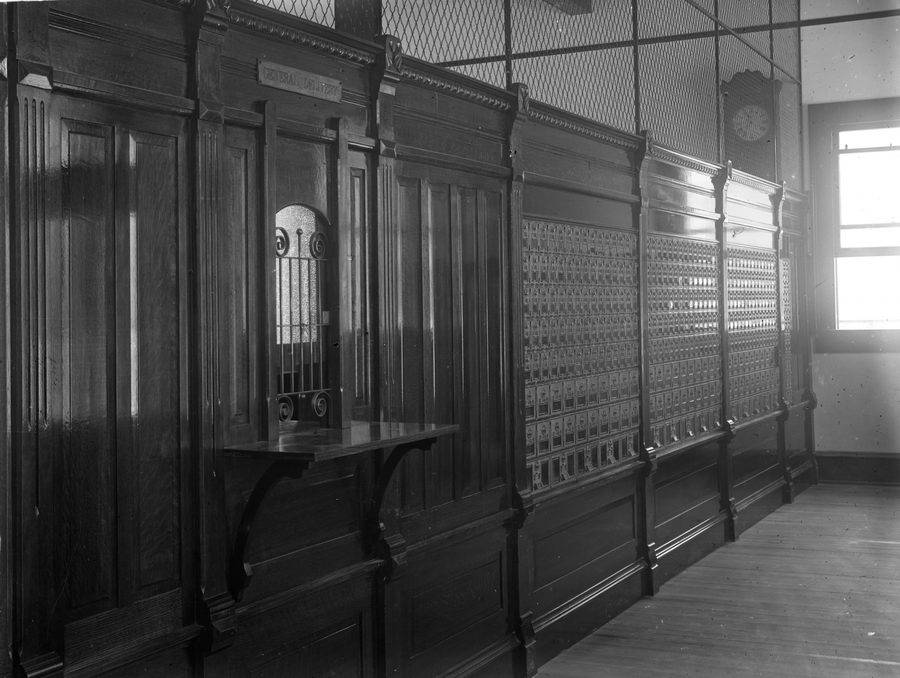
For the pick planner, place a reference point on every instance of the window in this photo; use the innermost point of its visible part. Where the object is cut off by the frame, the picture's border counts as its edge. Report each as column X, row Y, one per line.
column 300, row 323
column 855, row 165
column 867, row 257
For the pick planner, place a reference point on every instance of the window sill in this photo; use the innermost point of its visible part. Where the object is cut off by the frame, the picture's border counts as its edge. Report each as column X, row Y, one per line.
column 857, row 341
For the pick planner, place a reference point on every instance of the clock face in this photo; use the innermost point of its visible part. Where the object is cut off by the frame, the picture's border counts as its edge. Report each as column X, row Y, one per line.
column 751, row 122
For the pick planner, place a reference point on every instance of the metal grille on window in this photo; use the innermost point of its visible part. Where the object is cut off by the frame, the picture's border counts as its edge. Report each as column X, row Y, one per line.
column 318, row 11
column 300, row 255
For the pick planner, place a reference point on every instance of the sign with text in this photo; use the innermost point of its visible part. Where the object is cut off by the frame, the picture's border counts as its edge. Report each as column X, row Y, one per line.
column 301, row 82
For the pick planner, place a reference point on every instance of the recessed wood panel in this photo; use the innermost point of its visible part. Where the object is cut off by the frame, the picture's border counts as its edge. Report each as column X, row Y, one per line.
column 88, row 455
column 597, row 531
column 154, row 352
column 238, row 247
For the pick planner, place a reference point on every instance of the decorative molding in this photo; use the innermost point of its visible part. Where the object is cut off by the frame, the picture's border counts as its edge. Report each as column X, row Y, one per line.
column 458, row 88
column 298, row 36
column 667, row 155
column 583, row 126
column 753, row 181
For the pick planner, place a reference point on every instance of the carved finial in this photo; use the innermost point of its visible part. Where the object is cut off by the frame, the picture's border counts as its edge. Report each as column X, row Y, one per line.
column 393, row 54
column 649, row 141
column 523, row 98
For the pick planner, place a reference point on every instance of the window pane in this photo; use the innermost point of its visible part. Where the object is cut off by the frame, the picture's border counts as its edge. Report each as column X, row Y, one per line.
column 869, row 138
column 867, row 295
column 868, row 187
column 871, row 237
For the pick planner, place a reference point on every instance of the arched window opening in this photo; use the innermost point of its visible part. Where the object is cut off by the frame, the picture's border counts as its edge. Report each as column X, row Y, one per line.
column 301, row 255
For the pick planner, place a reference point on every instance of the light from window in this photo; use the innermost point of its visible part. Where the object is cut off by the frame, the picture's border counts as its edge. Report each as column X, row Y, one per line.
column 867, row 267
column 870, row 193
column 300, row 250
column 867, row 295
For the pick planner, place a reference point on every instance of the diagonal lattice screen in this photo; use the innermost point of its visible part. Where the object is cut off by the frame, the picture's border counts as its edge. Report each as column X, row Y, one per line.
column 678, row 95
column 456, row 30
column 551, row 54
column 319, row 11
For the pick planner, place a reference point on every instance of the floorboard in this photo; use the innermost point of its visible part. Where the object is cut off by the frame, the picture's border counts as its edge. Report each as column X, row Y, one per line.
column 811, row 590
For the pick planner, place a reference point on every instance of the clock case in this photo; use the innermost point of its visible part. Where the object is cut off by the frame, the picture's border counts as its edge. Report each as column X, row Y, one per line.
column 760, row 156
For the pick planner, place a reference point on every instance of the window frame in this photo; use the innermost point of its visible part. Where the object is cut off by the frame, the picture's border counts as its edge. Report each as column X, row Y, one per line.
column 826, row 121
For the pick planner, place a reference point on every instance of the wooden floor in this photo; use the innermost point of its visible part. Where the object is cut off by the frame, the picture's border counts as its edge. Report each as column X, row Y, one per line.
column 812, row 590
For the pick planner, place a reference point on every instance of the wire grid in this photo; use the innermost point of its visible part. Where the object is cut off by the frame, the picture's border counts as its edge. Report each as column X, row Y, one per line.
column 491, row 72
column 537, row 25
column 736, row 57
column 658, row 18
column 678, row 95
column 449, row 30
column 786, row 51
column 785, row 10
column 743, row 13
column 598, row 84
column 318, row 11
column 789, row 150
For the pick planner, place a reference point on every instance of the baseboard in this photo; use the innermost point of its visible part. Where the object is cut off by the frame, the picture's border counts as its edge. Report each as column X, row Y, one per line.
column 877, row 468
column 758, row 505
column 496, row 660
column 577, row 618
column 686, row 549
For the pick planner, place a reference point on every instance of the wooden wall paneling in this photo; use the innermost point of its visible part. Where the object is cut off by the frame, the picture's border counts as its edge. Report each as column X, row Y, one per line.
column 87, row 479
column 208, row 132
column 645, row 493
column 93, row 46
column 520, row 564
column 575, row 590
column 683, row 359
column 753, row 327
column 726, row 462
column 359, row 223
column 32, row 205
column 37, row 427
column 784, row 356
column 6, row 388
column 152, row 312
column 238, row 250
column 124, row 468
column 386, row 79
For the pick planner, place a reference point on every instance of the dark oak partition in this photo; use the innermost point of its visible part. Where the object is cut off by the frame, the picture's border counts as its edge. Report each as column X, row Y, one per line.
column 610, row 337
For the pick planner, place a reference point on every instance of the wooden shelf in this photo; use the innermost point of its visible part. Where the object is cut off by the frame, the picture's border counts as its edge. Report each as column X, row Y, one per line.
column 323, row 444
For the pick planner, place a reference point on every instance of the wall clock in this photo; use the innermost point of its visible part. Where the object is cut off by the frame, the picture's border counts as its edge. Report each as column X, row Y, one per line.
column 750, row 122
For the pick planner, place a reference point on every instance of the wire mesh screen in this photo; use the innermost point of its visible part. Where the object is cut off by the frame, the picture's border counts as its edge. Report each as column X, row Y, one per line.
column 658, row 18
column 678, row 95
column 551, row 54
column 537, row 25
column 785, row 10
column 786, row 51
column 743, row 13
column 790, row 151
column 319, row 11
column 597, row 84
column 451, row 31
column 748, row 105
column 579, row 55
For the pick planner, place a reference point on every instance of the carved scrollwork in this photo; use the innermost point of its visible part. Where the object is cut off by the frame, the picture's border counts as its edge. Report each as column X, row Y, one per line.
column 319, row 404
column 282, row 242
column 285, row 408
column 317, row 245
